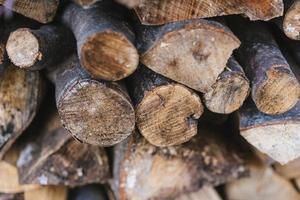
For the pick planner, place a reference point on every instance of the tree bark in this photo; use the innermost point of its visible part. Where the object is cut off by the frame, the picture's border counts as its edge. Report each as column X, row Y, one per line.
column 157, row 12
column 93, row 111
column 143, row 171
column 86, row 3
column 104, row 40
column 192, row 52
column 42, row 11
column 36, row 49
column 275, row 89
column 167, row 113
column 230, row 90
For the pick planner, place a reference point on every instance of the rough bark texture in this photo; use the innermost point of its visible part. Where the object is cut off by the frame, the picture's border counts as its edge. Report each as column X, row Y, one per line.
column 291, row 19
column 54, row 158
column 143, row 171
column 277, row 136
column 20, row 96
column 192, row 52
column 37, row 49
column 167, row 113
column 94, row 112
column 47, row 193
column 262, row 184
column 40, row 10
column 155, row 12
column 104, row 40
column 86, row 3
column 275, row 88
column 230, row 90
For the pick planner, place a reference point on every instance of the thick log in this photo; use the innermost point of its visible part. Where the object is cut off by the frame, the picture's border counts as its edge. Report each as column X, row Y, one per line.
column 143, row 171
column 230, row 90
column 20, row 96
column 55, row 158
column 290, row 170
column 291, row 19
column 192, row 52
column 205, row 193
column 47, row 193
column 36, row 49
column 275, row 88
column 167, row 113
column 104, row 40
column 86, row 3
column 277, row 136
column 93, row 111
column 157, row 12
column 89, row 192
column 40, row 10
column 262, row 184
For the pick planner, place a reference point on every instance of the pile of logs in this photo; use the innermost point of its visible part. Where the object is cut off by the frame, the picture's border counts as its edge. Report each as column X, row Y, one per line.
column 149, row 99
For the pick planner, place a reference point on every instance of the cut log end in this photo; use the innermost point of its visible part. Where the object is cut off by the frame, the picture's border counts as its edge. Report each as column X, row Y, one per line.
column 86, row 3
column 194, row 55
column 130, row 3
column 278, row 94
column 109, row 56
column 23, row 48
column 172, row 110
column 291, row 22
column 96, row 114
column 227, row 94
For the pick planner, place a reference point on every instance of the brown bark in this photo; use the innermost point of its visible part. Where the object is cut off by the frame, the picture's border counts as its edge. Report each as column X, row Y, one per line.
column 167, row 113
column 143, row 171
column 93, row 111
column 275, row 89
column 104, row 40
column 37, row 49
column 40, row 10
column 192, row 52
column 55, row 158
column 230, row 90
column 86, row 3
column 156, row 12
column 20, row 96
column 47, row 193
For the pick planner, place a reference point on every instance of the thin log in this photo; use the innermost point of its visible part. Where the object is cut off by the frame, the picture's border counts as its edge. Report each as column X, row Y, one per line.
column 55, row 158
column 93, row 111
column 167, row 113
column 104, row 40
column 143, row 171
column 43, row 11
column 36, row 49
column 86, row 3
column 230, row 90
column 275, row 89
column 192, row 52
column 47, row 193
column 20, row 96
column 157, row 12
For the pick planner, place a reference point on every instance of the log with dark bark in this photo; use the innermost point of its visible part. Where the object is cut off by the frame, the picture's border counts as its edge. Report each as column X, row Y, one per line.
column 47, row 193
column 143, row 171
column 86, row 3
column 167, row 113
column 192, row 52
column 230, row 90
column 275, row 89
column 41, row 10
column 93, row 111
column 277, row 136
column 20, row 96
column 55, row 158
column 156, row 12
column 37, row 49
column 104, row 40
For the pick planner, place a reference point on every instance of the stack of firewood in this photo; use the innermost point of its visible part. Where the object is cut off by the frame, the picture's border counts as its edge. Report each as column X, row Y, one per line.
column 150, row 99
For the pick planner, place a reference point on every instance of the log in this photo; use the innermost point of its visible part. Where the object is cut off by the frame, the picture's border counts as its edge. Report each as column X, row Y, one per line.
column 290, row 170
column 167, row 113
column 42, row 11
column 104, row 40
column 129, row 3
column 47, row 193
column 192, row 52
column 230, row 90
column 277, row 136
column 275, row 89
column 86, row 3
column 143, row 171
column 261, row 185
column 93, row 111
column 205, row 193
column 89, row 192
column 36, row 49
column 291, row 19
column 157, row 12
column 54, row 158
column 20, row 96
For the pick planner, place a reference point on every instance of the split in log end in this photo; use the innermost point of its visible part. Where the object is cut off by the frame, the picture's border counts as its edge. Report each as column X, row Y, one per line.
column 291, row 22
